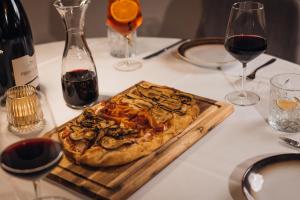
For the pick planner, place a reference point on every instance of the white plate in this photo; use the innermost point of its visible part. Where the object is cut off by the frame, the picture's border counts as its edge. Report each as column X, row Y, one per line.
column 276, row 177
column 206, row 52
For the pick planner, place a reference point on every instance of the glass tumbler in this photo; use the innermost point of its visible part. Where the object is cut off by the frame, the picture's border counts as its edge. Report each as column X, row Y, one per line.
column 24, row 112
column 284, row 114
column 117, row 43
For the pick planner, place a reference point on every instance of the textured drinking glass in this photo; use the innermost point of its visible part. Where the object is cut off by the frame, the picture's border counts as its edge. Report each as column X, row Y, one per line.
column 117, row 43
column 24, row 112
column 285, row 103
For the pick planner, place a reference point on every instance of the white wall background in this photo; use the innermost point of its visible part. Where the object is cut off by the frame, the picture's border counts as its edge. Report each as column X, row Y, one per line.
column 182, row 17
column 177, row 18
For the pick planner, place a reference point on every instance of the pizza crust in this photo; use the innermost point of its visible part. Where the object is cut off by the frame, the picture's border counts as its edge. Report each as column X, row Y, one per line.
column 69, row 147
column 99, row 157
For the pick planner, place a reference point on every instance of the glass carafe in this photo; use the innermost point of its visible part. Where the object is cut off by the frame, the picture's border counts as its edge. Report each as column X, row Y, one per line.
column 79, row 75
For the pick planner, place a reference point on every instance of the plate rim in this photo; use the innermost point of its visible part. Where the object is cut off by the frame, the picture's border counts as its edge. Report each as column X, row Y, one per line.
column 202, row 41
column 269, row 160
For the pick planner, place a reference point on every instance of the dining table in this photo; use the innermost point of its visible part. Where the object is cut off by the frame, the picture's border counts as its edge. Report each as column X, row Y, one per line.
column 213, row 167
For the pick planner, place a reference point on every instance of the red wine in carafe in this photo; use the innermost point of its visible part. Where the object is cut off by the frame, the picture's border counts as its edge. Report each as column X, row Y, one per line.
column 80, row 87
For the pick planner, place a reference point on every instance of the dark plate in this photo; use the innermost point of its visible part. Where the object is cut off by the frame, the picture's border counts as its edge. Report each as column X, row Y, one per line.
column 205, row 52
column 274, row 177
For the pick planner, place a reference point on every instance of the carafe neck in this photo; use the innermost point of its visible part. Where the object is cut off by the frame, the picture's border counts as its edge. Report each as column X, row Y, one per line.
column 73, row 14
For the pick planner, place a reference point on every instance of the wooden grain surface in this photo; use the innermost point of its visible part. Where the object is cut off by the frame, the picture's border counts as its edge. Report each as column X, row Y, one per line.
column 120, row 182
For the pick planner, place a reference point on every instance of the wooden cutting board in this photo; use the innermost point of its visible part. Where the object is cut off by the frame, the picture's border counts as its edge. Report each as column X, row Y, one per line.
column 120, row 182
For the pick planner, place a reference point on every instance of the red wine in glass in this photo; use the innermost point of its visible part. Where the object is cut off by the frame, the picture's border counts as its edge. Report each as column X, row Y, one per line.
column 80, row 88
column 245, row 47
column 31, row 159
column 245, row 40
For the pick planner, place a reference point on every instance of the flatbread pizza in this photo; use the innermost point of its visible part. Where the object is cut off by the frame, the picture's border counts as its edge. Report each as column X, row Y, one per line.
column 129, row 125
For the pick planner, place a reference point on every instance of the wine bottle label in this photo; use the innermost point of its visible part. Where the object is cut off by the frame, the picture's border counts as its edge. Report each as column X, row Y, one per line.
column 25, row 70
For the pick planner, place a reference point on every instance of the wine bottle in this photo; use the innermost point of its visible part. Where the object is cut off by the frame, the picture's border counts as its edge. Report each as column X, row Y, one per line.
column 17, row 57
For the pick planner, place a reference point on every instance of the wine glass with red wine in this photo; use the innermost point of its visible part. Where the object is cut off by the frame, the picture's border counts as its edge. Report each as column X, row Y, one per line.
column 245, row 40
column 31, row 159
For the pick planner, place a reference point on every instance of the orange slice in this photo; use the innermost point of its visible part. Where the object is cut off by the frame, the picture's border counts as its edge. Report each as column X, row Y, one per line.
column 287, row 104
column 124, row 11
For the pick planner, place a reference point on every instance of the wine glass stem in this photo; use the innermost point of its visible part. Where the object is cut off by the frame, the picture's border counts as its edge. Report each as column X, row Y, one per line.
column 127, row 47
column 244, row 79
column 36, row 186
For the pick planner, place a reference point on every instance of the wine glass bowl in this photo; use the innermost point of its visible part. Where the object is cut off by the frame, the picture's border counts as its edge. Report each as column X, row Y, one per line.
column 31, row 159
column 245, row 47
column 125, row 16
column 245, row 40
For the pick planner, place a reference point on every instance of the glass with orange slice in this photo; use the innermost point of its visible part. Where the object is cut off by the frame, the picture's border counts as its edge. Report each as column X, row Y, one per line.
column 125, row 16
column 284, row 112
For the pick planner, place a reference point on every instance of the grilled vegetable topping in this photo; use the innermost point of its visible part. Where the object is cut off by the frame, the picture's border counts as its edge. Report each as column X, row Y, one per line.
column 77, row 135
column 120, row 133
column 149, row 93
column 170, row 104
column 185, row 98
column 112, row 143
column 168, row 92
column 89, row 135
column 161, row 115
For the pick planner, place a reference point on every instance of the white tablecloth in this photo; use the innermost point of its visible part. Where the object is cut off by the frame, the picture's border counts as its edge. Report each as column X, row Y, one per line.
column 207, row 169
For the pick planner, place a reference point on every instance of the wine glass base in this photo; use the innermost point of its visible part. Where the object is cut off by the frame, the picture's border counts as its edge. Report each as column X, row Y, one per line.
column 128, row 65
column 242, row 98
